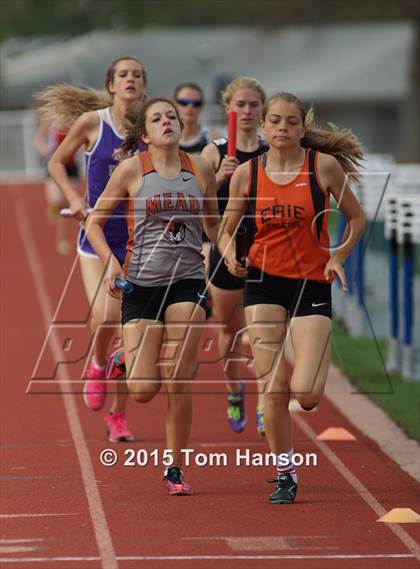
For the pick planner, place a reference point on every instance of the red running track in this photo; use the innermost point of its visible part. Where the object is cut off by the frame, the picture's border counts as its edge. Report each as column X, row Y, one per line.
column 60, row 508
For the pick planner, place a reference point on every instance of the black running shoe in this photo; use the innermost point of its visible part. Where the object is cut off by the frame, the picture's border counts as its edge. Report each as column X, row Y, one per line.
column 175, row 483
column 285, row 492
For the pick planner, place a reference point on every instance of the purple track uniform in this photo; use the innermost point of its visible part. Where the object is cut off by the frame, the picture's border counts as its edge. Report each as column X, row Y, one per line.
column 100, row 164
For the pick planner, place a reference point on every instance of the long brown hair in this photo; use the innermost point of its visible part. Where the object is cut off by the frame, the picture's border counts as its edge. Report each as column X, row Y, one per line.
column 342, row 144
column 137, row 117
column 62, row 104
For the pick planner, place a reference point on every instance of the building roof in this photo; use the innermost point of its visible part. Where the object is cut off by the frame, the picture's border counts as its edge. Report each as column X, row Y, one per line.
column 318, row 63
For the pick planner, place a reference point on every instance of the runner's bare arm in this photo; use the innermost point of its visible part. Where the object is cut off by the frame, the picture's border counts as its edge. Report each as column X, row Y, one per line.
column 333, row 179
column 235, row 209
column 82, row 133
column 211, row 154
column 211, row 217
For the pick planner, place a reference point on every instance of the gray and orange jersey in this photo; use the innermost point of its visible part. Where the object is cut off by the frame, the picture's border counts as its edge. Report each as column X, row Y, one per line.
column 165, row 226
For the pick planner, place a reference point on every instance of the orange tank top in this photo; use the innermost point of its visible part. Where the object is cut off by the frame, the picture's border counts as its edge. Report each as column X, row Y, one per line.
column 289, row 222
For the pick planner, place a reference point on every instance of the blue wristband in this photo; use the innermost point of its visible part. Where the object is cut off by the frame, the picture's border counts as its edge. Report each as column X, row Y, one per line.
column 124, row 285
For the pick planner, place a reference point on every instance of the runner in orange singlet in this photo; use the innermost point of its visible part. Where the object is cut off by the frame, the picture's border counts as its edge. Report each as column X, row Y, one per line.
column 285, row 195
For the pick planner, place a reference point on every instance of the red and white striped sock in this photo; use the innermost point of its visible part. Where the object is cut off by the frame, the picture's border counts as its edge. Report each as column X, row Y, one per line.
column 285, row 465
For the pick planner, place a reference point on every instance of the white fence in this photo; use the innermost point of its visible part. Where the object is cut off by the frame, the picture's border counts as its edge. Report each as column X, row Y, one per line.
column 385, row 297
column 19, row 159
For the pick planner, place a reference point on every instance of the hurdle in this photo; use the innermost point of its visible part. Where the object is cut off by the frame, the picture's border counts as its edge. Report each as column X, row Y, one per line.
column 370, row 191
column 402, row 229
column 390, row 230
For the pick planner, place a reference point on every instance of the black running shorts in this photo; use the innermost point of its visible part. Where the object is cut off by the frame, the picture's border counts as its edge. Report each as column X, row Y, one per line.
column 152, row 302
column 219, row 275
column 300, row 297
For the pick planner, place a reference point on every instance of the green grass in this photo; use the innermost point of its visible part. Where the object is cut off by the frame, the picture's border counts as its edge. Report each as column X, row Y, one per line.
column 362, row 362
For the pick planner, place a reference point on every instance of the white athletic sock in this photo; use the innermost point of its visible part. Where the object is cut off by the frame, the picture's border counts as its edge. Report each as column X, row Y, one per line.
column 285, row 465
column 96, row 365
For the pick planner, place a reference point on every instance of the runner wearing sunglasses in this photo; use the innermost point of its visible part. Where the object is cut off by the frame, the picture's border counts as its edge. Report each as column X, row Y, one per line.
column 189, row 99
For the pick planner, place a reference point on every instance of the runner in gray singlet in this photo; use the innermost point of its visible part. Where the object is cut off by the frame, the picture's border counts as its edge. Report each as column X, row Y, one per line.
column 169, row 197
column 167, row 229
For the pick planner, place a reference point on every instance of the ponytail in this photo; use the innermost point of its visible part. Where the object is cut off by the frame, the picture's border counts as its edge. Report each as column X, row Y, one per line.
column 62, row 104
column 135, row 116
column 342, row 144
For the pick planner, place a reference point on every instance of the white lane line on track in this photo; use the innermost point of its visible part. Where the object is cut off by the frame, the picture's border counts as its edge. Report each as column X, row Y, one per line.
column 25, row 477
column 18, row 549
column 209, row 558
column 54, row 319
column 2, row 516
column 267, row 542
column 96, row 510
column 358, row 486
column 22, row 540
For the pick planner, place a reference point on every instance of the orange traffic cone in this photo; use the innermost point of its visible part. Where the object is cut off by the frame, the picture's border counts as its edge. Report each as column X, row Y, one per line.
column 336, row 434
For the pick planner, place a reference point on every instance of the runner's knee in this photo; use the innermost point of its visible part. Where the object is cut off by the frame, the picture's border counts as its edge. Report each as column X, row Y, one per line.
column 142, row 391
column 276, row 399
column 307, row 400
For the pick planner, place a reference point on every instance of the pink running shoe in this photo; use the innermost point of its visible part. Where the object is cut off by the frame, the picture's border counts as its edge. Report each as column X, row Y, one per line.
column 94, row 389
column 175, row 483
column 117, row 428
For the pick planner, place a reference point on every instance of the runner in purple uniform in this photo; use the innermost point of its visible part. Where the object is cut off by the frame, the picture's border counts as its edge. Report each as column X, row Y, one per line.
column 100, row 132
column 99, row 164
